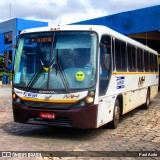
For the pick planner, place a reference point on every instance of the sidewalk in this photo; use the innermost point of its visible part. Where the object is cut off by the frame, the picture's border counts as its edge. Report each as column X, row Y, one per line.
column 5, row 97
column 5, row 85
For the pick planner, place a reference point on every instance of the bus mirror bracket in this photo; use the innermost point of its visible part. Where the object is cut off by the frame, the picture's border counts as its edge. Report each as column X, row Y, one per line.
column 6, row 55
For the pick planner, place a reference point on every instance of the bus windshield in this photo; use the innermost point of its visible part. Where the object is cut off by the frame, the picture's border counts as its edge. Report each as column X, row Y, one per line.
column 56, row 60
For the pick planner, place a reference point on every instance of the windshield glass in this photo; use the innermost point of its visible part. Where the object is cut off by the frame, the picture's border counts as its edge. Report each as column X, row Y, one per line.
column 56, row 60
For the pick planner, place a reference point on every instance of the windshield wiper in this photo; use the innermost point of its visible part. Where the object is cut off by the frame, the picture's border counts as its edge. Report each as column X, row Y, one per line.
column 34, row 78
column 62, row 74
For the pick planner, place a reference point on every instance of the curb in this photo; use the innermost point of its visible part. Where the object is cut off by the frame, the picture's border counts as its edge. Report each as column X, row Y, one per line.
column 5, row 85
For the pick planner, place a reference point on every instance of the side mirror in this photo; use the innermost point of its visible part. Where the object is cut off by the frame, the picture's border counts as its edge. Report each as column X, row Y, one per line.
column 6, row 55
column 106, row 61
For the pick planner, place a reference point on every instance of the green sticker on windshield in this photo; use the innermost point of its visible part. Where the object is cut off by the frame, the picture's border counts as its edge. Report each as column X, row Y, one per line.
column 80, row 76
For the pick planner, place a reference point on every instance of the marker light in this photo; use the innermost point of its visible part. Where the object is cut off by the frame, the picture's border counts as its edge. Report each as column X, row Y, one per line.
column 54, row 29
column 89, row 99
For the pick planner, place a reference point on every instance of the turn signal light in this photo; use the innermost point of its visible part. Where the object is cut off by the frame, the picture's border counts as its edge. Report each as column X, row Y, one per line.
column 13, row 95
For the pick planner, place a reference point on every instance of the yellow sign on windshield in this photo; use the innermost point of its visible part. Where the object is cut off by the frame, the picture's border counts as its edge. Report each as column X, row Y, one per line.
column 80, row 76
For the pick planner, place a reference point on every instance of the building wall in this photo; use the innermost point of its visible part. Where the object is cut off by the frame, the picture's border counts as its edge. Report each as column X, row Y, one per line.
column 16, row 25
column 6, row 26
column 22, row 24
column 1, row 43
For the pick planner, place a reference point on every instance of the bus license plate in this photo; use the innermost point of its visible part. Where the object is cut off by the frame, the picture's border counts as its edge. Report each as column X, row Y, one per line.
column 47, row 115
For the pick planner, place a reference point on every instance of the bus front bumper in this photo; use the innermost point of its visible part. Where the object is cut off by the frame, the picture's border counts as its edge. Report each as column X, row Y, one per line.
column 82, row 118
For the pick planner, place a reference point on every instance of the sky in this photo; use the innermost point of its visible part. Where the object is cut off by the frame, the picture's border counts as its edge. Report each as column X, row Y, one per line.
column 59, row 12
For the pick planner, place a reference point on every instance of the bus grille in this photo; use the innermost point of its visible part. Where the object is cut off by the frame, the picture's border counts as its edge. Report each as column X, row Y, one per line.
column 44, row 105
column 60, row 122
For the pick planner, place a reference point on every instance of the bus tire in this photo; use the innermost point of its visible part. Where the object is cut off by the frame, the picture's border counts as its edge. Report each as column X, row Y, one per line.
column 116, row 115
column 146, row 105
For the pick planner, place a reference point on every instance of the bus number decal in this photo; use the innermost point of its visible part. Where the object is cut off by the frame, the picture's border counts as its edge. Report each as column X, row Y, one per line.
column 70, row 96
column 120, row 82
column 141, row 81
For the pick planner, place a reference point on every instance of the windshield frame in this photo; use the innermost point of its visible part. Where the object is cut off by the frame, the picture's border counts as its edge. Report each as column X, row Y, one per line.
column 54, row 33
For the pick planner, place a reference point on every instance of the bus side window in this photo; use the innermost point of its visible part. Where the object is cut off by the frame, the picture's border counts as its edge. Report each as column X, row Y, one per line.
column 131, row 50
column 151, row 63
column 120, row 55
column 140, row 60
column 105, row 54
column 146, row 61
column 156, row 63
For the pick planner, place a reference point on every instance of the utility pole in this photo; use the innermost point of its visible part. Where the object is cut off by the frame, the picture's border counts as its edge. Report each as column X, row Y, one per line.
column 10, row 10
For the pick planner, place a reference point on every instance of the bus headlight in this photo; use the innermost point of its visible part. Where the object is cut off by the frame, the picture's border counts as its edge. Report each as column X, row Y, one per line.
column 86, row 101
column 89, row 99
column 18, row 100
column 82, row 104
column 79, row 104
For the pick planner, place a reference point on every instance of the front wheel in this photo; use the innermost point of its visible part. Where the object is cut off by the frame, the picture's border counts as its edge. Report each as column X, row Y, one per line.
column 116, row 115
column 146, row 105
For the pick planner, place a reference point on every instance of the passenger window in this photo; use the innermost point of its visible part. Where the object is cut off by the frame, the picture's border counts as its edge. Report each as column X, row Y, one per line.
column 146, row 61
column 156, row 63
column 120, row 55
column 131, row 58
column 151, row 63
column 140, row 60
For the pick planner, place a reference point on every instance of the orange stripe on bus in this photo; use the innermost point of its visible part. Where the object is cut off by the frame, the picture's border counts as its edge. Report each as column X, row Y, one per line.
column 118, row 73
column 49, row 101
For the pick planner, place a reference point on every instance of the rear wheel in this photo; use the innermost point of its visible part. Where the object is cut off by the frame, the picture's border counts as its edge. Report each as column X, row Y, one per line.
column 116, row 115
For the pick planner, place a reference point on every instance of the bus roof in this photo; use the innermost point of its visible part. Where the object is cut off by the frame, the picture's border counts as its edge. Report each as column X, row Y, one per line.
column 97, row 28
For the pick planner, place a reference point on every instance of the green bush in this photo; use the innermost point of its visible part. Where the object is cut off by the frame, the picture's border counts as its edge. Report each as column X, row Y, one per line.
column 2, row 69
column 10, row 75
column 1, row 64
column 1, row 73
column 1, row 60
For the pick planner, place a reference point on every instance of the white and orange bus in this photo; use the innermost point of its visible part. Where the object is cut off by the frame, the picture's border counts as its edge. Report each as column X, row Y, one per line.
column 81, row 76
